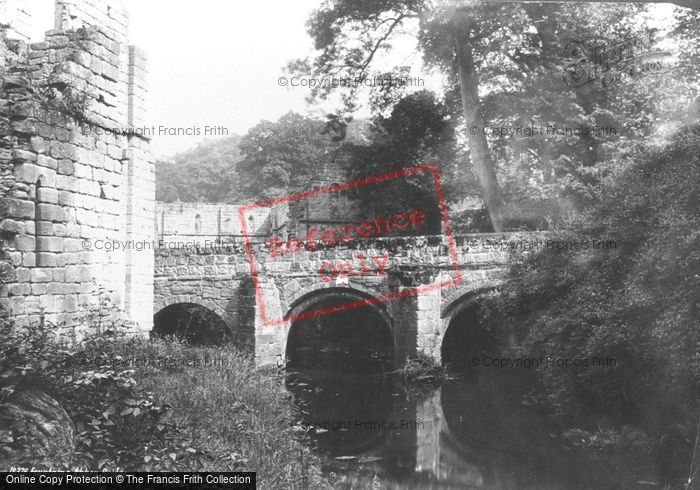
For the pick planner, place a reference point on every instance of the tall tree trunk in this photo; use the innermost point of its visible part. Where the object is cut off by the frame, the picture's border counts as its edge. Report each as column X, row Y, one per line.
column 471, row 108
column 544, row 18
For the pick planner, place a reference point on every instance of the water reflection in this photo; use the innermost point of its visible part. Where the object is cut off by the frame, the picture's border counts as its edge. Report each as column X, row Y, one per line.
column 471, row 432
column 346, row 415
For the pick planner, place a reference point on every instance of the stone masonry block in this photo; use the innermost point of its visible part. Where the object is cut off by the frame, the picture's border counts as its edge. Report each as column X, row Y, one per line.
column 37, row 144
column 25, row 243
column 41, row 274
column 47, row 195
column 16, row 208
column 66, row 183
column 65, row 167
column 12, row 226
column 47, row 161
column 45, row 228
column 23, row 156
column 26, row 172
column 51, row 212
column 44, row 259
column 49, row 244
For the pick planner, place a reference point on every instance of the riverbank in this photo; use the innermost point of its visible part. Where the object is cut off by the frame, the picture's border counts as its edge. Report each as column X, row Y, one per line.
column 140, row 405
column 240, row 416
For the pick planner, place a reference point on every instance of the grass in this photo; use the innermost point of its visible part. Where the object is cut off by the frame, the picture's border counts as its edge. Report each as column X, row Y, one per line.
column 421, row 370
column 154, row 405
column 239, row 416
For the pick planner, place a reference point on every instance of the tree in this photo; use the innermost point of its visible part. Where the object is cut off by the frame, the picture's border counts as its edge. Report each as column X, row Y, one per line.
column 462, row 23
column 283, row 157
column 207, row 173
column 417, row 132
column 487, row 51
column 350, row 34
column 631, row 293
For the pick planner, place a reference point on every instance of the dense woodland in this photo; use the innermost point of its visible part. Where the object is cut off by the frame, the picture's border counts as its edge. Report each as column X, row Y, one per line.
column 505, row 66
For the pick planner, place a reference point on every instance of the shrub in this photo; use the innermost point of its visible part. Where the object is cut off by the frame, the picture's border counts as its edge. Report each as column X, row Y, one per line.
column 636, row 303
column 161, row 405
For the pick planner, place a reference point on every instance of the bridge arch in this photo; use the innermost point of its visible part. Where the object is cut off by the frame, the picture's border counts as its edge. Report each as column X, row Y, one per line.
column 361, row 333
column 311, row 295
column 295, row 292
column 192, row 322
column 459, row 324
column 162, row 302
column 461, row 298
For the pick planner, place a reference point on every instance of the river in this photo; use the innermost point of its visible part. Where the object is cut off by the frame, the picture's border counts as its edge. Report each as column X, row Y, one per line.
column 470, row 432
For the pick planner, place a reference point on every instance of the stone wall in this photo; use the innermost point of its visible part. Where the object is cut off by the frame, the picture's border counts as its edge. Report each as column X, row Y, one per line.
column 335, row 208
column 71, row 177
column 15, row 14
column 111, row 17
column 221, row 281
column 203, row 223
column 218, row 281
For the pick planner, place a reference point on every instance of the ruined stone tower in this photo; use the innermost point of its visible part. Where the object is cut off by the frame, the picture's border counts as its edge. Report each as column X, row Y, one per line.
column 74, row 181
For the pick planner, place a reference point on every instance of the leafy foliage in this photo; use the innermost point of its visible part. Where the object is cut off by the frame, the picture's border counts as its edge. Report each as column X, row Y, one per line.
column 117, row 423
column 520, row 53
column 636, row 303
column 207, row 173
column 283, row 157
column 272, row 159
column 416, row 133
column 142, row 405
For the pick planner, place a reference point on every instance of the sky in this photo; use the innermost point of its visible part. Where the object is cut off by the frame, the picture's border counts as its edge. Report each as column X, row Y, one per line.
column 218, row 63
column 212, row 62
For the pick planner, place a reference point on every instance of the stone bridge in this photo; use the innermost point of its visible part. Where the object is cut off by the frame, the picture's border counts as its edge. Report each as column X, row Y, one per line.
column 71, row 184
column 295, row 284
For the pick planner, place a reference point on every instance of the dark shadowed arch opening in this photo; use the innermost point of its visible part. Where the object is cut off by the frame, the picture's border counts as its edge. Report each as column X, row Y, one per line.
column 357, row 340
column 193, row 323
column 466, row 340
